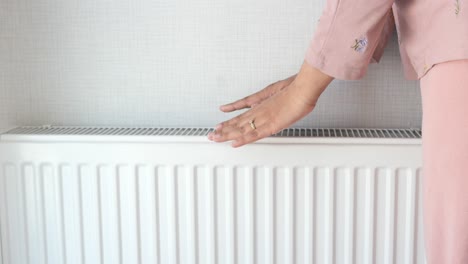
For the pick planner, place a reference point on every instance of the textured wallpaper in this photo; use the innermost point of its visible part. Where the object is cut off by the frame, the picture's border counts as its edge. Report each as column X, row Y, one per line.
column 173, row 62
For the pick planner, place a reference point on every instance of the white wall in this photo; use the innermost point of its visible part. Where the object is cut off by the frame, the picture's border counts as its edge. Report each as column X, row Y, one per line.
column 173, row 62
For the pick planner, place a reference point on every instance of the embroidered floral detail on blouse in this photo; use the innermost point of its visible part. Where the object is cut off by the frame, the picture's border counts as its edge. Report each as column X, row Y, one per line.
column 457, row 7
column 360, row 44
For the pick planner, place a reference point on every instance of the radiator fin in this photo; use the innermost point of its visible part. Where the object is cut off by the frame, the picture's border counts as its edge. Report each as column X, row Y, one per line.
column 203, row 131
column 160, row 213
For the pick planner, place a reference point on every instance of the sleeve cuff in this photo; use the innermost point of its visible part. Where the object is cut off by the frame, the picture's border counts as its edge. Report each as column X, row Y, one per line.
column 335, row 67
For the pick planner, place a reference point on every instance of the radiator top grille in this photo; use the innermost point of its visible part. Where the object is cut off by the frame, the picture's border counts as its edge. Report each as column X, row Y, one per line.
column 203, row 131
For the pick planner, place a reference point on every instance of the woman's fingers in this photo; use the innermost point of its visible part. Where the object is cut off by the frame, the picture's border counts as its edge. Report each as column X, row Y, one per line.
column 252, row 136
column 241, row 103
column 256, row 98
column 233, row 121
column 235, row 130
column 240, row 129
column 241, row 135
column 228, row 133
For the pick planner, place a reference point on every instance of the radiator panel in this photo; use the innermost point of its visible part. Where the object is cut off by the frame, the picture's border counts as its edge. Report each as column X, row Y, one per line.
column 192, row 202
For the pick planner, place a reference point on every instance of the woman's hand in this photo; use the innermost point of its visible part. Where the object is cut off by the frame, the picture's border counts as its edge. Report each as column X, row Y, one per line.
column 275, row 112
column 255, row 99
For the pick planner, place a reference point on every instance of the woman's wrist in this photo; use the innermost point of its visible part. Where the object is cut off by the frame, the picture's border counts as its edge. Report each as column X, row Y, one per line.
column 311, row 81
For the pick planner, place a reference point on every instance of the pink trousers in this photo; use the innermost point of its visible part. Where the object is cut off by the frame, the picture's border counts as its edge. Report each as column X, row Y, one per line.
column 444, row 94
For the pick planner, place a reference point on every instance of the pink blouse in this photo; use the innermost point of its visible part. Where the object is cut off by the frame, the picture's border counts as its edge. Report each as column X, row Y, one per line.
column 353, row 33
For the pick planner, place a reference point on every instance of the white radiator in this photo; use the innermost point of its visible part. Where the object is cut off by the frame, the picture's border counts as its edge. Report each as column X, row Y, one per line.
column 169, row 195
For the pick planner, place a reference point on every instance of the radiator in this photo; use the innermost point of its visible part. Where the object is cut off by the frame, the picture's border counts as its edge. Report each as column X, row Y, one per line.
column 169, row 195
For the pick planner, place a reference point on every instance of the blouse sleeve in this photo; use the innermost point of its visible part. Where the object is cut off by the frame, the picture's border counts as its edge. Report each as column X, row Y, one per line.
column 350, row 35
